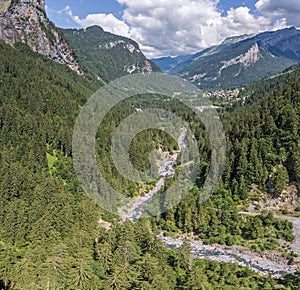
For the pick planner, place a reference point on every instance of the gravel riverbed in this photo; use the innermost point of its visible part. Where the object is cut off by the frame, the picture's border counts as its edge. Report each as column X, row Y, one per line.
column 262, row 263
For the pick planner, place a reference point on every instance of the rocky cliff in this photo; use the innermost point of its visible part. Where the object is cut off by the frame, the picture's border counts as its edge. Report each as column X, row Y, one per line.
column 243, row 59
column 26, row 21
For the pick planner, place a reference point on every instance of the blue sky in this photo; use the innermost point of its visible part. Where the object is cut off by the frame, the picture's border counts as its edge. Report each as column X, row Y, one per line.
column 81, row 8
column 174, row 27
column 84, row 7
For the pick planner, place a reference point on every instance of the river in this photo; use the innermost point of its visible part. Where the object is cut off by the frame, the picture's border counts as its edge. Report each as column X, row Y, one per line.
column 166, row 168
column 263, row 263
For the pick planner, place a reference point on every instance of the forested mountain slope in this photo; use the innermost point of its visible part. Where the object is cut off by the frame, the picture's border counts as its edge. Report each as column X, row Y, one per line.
column 49, row 235
column 108, row 55
column 42, row 220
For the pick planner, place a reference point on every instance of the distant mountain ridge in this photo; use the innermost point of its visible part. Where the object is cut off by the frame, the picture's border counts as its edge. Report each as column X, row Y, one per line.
column 108, row 55
column 236, row 62
column 235, row 39
column 168, row 63
column 173, row 64
column 91, row 52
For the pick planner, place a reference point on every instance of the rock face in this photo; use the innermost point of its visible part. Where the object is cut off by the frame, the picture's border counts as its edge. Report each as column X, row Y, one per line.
column 242, row 60
column 250, row 57
column 26, row 21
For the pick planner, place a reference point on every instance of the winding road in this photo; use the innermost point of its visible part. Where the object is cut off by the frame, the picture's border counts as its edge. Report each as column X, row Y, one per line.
column 296, row 231
column 296, row 228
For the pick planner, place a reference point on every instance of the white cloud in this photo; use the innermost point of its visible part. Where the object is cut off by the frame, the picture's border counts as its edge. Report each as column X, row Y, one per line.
column 164, row 27
column 172, row 27
column 107, row 21
column 175, row 27
column 241, row 21
column 288, row 10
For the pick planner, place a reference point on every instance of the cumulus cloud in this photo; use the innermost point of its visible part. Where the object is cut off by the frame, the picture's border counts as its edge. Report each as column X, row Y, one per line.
column 240, row 21
column 175, row 27
column 164, row 27
column 172, row 27
column 287, row 10
column 107, row 21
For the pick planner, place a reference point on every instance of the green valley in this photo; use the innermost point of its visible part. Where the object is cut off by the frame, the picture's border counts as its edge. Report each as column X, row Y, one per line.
column 54, row 237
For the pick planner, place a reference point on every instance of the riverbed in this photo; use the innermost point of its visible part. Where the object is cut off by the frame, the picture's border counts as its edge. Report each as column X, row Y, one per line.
column 263, row 263
column 133, row 210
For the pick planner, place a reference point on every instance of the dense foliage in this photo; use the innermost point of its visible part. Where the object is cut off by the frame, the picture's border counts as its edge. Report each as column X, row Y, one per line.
column 42, row 219
column 49, row 235
column 107, row 55
column 263, row 149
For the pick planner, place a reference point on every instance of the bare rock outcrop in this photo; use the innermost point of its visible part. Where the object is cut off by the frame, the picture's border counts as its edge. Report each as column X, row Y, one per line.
column 26, row 21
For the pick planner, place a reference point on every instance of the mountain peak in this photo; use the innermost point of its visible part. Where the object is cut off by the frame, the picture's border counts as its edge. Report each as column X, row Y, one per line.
column 243, row 59
column 40, row 3
column 291, row 28
column 108, row 55
column 26, row 21
column 95, row 28
column 235, row 39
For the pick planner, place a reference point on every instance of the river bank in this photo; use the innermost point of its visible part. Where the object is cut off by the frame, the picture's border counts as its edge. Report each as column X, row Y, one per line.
column 264, row 263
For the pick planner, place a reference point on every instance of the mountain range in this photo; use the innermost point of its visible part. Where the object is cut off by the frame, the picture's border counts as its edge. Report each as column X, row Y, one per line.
column 89, row 51
column 107, row 55
column 241, row 60
column 236, row 61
